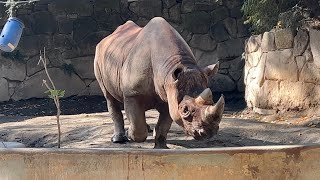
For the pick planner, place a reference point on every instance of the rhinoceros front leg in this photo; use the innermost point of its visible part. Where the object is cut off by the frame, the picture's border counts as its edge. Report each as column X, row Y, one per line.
column 114, row 109
column 162, row 128
column 135, row 112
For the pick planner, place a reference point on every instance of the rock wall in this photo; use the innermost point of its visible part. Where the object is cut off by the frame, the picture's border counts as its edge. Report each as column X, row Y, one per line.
column 70, row 31
column 282, row 70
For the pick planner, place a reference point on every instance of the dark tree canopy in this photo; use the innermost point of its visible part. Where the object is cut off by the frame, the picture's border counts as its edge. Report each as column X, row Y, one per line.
column 263, row 15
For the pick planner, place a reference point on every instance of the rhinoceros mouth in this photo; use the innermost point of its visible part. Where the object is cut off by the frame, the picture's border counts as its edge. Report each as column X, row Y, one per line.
column 201, row 134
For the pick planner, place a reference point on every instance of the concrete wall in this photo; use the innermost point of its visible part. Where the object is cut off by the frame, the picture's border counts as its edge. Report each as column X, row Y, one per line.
column 70, row 31
column 278, row 162
column 282, row 70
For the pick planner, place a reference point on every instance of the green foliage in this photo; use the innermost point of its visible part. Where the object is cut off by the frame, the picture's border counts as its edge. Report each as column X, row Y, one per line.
column 68, row 69
column 263, row 15
column 55, row 93
column 15, row 55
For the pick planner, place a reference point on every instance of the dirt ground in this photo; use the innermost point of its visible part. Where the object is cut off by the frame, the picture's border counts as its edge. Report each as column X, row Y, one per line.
column 94, row 130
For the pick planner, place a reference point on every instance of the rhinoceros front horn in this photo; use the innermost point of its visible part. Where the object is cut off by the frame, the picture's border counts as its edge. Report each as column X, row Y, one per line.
column 205, row 97
column 215, row 111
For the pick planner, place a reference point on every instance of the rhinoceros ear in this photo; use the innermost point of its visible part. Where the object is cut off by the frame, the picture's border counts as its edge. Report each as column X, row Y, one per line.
column 211, row 69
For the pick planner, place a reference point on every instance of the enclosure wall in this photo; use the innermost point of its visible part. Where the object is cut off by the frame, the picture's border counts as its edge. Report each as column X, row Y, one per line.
column 70, row 31
column 221, row 163
column 282, row 70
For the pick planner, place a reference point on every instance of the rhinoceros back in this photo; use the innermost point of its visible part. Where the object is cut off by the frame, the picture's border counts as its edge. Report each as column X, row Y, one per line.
column 111, row 53
column 135, row 61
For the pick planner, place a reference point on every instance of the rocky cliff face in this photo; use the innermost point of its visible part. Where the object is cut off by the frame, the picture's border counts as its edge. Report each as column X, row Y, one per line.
column 70, row 31
column 282, row 70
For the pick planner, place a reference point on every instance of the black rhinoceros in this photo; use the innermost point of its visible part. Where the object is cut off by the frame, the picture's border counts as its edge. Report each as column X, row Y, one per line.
column 153, row 68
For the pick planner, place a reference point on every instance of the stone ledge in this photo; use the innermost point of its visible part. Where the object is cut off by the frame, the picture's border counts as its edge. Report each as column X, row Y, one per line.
column 216, row 163
column 11, row 145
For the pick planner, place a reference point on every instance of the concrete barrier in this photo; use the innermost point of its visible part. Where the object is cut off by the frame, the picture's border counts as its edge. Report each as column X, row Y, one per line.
column 274, row 162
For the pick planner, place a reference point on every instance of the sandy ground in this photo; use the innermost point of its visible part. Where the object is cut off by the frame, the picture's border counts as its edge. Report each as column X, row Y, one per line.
column 95, row 130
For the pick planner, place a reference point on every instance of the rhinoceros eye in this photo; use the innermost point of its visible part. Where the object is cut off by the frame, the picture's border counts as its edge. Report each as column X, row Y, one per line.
column 177, row 72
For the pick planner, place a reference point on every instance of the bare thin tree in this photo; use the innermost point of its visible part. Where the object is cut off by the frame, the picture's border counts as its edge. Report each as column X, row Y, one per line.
column 54, row 93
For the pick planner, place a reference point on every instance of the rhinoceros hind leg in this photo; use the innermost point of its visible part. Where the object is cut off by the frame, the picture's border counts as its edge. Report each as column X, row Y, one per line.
column 162, row 128
column 114, row 108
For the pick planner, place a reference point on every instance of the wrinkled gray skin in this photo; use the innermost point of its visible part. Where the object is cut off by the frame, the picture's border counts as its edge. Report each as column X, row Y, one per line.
column 154, row 68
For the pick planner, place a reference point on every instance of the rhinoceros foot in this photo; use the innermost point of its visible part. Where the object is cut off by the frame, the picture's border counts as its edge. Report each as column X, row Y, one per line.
column 119, row 138
column 161, row 146
column 160, row 143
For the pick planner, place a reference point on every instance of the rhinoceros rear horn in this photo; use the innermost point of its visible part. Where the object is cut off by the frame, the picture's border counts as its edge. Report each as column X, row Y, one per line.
column 205, row 97
column 215, row 111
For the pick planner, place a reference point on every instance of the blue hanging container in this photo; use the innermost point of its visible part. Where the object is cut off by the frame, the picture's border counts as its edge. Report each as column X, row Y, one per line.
column 11, row 34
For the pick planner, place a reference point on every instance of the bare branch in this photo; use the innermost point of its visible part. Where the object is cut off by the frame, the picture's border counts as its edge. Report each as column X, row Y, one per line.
column 44, row 61
column 55, row 94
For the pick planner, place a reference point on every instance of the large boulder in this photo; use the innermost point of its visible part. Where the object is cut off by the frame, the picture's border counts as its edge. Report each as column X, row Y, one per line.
column 230, row 49
column 33, row 65
column 294, row 95
column 243, row 29
column 205, row 5
column 222, row 83
column 272, row 89
column 310, row 74
column 300, row 42
column 219, row 14
column 280, row 65
column 197, row 22
column 169, row 3
column 83, row 66
column 4, row 90
column 314, row 45
column 82, row 7
column 89, row 43
column 231, row 26
column 44, row 23
column 268, row 42
column 12, row 69
column 83, row 27
column 65, row 26
column 254, row 58
column 203, row 42
column 33, row 88
column 253, row 43
column 301, row 61
column 219, row 32
column 207, row 58
column 31, row 45
column 259, row 72
column 240, row 84
column 94, row 89
column 146, row 8
column 174, row 13
column 284, row 38
column 187, row 6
